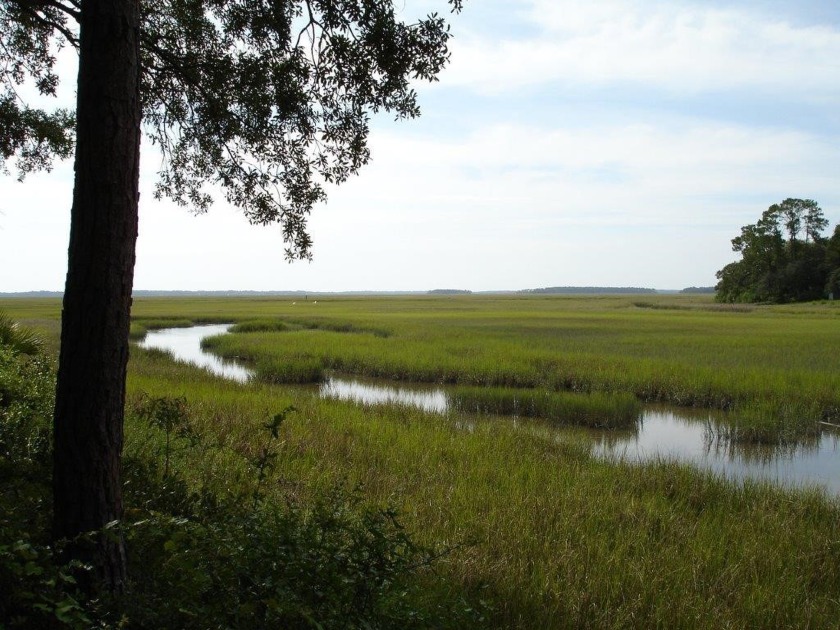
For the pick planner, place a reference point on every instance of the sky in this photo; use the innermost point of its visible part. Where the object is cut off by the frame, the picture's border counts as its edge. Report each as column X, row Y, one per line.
column 569, row 143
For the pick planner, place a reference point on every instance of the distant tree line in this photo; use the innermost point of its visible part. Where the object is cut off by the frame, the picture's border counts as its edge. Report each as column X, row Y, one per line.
column 582, row 290
column 784, row 257
column 698, row 290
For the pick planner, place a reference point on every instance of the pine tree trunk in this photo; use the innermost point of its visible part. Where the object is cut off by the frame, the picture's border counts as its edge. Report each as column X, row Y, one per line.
column 90, row 397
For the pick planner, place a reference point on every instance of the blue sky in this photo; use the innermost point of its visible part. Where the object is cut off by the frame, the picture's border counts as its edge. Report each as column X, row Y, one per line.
column 568, row 143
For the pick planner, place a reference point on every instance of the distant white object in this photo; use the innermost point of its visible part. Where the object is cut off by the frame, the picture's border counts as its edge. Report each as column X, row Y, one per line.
column 293, row 303
column 315, row 302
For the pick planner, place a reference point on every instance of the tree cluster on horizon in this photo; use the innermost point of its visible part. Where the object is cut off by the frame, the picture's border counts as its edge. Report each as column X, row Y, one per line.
column 784, row 257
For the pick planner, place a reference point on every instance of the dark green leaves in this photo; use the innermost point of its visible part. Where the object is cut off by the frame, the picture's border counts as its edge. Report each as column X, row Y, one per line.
column 30, row 35
column 775, row 269
column 269, row 100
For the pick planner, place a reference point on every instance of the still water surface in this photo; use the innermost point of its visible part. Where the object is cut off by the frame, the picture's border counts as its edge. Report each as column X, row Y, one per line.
column 663, row 433
column 185, row 345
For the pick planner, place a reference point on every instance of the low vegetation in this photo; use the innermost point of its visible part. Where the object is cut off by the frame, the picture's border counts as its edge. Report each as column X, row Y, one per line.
column 531, row 529
column 260, row 325
column 596, row 410
column 682, row 350
column 203, row 553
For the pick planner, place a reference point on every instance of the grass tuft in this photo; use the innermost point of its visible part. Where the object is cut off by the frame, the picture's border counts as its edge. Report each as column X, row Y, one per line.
column 597, row 410
column 259, row 325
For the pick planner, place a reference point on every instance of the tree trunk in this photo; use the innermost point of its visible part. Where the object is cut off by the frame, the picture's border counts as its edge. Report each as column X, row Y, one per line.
column 90, row 396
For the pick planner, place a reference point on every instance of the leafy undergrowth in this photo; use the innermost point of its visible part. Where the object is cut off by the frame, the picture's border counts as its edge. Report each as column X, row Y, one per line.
column 204, row 557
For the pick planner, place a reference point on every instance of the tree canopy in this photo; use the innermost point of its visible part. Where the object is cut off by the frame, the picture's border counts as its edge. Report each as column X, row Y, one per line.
column 267, row 100
column 784, row 257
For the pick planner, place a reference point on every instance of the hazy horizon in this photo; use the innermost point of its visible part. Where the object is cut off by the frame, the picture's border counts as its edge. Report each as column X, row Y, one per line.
column 581, row 290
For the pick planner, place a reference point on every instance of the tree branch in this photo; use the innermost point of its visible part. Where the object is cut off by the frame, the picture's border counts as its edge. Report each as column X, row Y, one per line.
column 35, row 4
column 44, row 21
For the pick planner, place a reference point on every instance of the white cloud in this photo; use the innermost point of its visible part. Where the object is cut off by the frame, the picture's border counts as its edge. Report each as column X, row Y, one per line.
column 510, row 206
column 669, row 45
column 505, row 163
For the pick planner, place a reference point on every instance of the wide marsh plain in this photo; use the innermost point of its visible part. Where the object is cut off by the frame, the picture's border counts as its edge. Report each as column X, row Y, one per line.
column 646, row 432
column 543, row 531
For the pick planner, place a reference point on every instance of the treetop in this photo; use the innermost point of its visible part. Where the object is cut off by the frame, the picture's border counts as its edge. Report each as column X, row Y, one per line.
column 268, row 100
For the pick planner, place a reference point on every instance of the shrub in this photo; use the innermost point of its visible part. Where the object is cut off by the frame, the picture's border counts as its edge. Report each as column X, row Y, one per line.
column 334, row 565
column 36, row 589
column 27, row 397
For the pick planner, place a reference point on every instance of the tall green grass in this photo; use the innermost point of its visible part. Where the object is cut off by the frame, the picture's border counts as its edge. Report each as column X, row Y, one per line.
column 596, row 410
column 771, row 424
column 682, row 350
column 683, row 355
column 259, row 325
column 549, row 536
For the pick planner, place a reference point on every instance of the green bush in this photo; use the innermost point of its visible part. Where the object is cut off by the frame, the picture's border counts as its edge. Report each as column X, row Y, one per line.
column 27, row 397
column 37, row 590
column 16, row 338
column 333, row 565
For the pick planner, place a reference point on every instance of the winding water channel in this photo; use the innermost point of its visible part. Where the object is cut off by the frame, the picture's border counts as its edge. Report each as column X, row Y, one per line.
column 663, row 433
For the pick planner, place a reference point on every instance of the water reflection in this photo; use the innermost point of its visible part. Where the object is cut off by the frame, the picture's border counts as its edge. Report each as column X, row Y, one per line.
column 685, row 437
column 762, row 453
column 185, row 345
column 662, row 432
column 369, row 392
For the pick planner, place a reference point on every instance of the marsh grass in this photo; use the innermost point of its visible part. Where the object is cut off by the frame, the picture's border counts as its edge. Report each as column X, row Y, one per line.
column 259, row 325
column 769, row 423
column 682, row 350
column 596, row 410
column 139, row 328
column 678, row 306
column 548, row 535
column 687, row 357
column 338, row 326
column 300, row 371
